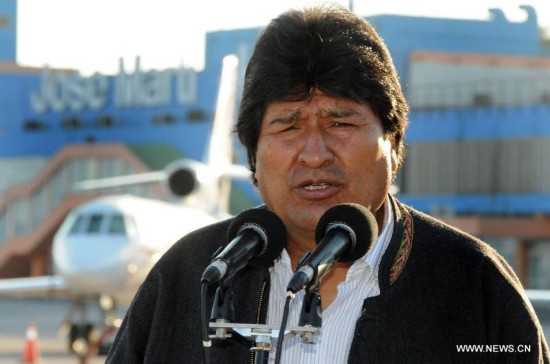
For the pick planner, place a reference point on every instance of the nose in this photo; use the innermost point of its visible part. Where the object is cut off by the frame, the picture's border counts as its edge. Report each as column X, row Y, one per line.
column 315, row 150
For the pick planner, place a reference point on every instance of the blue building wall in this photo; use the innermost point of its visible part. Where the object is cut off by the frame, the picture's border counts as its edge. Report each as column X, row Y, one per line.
column 487, row 123
column 481, row 124
column 404, row 34
column 134, row 125
column 8, row 30
column 484, row 204
column 496, row 35
column 131, row 125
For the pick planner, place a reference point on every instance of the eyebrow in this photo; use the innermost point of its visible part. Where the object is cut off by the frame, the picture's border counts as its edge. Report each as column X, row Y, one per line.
column 343, row 113
column 296, row 114
column 288, row 119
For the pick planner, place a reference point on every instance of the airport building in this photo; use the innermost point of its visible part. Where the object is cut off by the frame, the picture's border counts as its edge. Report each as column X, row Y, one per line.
column 478, row 144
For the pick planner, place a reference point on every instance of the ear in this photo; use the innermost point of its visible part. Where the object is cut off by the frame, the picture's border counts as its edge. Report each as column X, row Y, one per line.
column 394, row 158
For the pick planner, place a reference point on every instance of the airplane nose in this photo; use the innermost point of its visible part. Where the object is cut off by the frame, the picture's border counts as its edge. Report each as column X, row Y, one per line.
column 94, row 262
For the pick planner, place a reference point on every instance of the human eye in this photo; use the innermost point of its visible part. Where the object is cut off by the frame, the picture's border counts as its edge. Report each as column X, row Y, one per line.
column 342, row 119
column 289, row 128
column 282, row 128
column 284, row 123
column 341, row 124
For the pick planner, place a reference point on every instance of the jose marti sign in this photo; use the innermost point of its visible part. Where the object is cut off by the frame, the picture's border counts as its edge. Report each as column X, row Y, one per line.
column 70, row 91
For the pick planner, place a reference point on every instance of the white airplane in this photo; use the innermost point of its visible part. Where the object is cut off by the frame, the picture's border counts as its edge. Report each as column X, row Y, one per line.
column 105, row 248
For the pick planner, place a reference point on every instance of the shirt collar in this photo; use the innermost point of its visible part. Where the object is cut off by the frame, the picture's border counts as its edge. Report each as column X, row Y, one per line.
column 370, row 261
column 374, row 255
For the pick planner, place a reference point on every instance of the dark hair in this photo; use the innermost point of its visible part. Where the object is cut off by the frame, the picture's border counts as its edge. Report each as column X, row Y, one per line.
column 325, row 48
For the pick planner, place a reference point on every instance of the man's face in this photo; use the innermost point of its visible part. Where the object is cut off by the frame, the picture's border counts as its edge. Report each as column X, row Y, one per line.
column 320, row 152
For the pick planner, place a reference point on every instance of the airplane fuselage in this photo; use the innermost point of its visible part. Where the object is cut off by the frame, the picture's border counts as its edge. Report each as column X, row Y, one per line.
column 105, row 247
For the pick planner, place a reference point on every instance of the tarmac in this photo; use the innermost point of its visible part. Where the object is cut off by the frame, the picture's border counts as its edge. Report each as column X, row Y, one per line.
column 47, row 315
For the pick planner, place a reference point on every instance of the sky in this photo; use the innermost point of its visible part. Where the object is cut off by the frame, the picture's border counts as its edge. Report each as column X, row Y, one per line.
column 92, row 35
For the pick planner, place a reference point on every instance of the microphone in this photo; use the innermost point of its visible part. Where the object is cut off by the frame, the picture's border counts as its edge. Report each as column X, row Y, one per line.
column 344, row 233
column 256, row 237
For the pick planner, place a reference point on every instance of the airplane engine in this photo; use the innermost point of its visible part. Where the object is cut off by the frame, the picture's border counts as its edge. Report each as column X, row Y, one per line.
column 182, row 182
column 196, row 182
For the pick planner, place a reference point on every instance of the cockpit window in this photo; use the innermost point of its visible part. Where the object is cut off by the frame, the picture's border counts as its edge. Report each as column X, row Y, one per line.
column 94, row 225
column 78, row 225
column 116, row 225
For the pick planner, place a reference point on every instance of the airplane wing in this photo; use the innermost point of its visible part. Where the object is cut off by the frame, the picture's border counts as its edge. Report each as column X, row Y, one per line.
column 539, row 297
column 43, row 286
column 126, row 180
column 235, row 171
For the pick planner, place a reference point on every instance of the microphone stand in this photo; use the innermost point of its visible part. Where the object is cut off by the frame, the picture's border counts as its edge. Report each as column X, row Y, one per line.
column 262, row 335
column 223, row 310
column 310, row 315
column 223, row 316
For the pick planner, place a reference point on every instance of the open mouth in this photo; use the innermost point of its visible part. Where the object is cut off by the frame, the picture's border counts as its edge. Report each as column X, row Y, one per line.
column 316, row 186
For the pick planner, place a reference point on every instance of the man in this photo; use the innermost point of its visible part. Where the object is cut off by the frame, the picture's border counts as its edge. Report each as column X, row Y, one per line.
column 323, row 119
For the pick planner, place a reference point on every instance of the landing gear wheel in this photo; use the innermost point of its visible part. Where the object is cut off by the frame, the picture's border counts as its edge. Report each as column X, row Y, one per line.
column 79, row 338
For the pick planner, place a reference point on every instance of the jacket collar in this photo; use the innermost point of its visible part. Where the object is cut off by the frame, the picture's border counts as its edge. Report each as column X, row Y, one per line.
column 400, row 247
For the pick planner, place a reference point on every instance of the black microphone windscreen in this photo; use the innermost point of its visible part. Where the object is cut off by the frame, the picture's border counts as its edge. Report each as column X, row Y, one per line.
column 270, row 224
column 356, row 217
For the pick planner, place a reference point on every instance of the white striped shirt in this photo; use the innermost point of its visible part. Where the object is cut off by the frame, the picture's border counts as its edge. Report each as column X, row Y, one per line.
column 338, row 325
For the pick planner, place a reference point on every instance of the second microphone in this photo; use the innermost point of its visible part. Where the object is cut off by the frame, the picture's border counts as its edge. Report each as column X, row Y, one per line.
column 344, row 233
